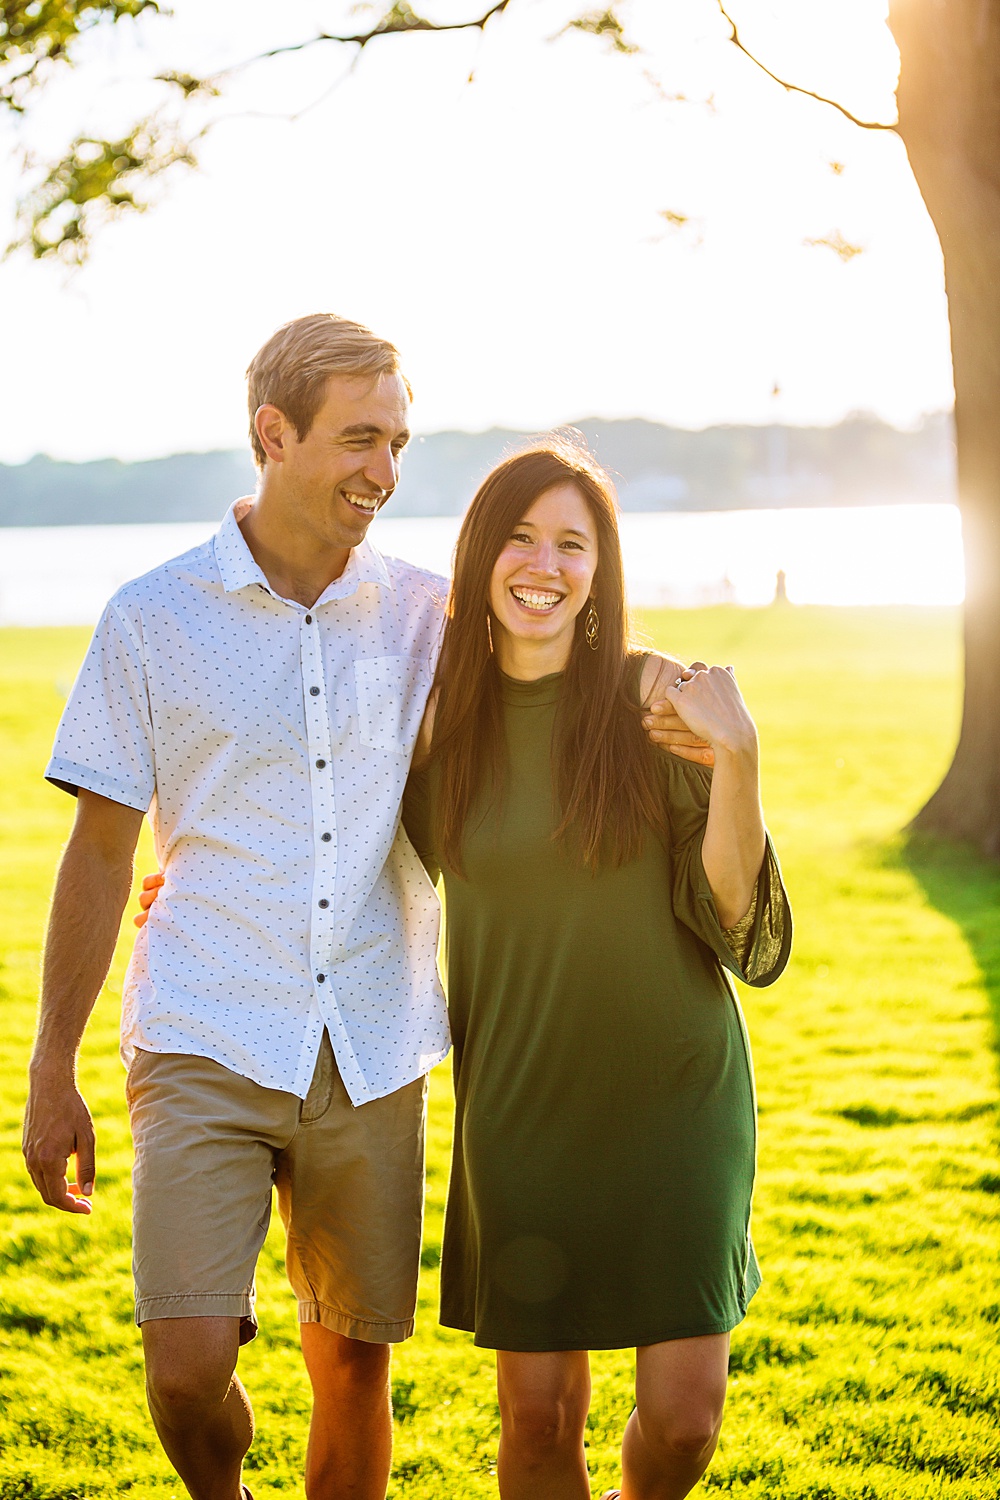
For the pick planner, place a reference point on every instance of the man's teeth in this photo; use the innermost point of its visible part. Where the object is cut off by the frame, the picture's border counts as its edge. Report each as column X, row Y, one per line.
column 363, row 502
column 533, row 600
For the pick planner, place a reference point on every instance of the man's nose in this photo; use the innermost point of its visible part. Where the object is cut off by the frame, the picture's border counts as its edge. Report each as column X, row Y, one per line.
column 383, row 469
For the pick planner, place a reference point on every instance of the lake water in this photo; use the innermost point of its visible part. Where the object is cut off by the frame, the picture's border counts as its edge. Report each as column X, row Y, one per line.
column 881, row 554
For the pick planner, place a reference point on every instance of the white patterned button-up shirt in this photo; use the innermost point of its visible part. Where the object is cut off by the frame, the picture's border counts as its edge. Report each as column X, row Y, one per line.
column 270, row 745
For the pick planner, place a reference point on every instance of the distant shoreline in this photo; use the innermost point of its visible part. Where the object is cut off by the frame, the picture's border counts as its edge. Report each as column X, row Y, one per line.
column 890, row 554
column 865, row 502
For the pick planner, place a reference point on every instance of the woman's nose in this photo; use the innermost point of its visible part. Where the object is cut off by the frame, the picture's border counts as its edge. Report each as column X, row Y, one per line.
column 545, row 560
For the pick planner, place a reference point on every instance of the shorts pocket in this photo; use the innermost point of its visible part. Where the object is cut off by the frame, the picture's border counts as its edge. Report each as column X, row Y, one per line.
column 131, row 1077
column 392, row 692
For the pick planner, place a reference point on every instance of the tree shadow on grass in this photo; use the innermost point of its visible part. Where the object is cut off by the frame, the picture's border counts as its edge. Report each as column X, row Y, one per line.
column 965, row 886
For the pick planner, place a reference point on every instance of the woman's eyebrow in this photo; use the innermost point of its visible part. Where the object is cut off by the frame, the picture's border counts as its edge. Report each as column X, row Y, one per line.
column 566, row 531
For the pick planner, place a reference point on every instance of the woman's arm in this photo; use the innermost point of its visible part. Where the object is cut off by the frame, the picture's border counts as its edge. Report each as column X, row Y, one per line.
column 733, row 847
column 426, row 732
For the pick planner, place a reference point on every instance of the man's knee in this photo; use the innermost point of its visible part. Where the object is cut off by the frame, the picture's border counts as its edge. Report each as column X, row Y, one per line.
column 190, row 1363
column 348, row 1362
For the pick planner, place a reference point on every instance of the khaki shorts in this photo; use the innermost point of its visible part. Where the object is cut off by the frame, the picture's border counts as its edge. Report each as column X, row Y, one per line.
column 209, row 1145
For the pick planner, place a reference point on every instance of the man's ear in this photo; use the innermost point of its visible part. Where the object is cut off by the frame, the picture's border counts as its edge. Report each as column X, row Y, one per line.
column 274, row 431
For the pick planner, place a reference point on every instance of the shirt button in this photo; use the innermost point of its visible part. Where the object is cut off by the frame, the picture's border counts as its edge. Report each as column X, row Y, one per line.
column 324, row 903
column 314, row 692
column 309, row 619
column 327, row 837
column 320, row 978
column 320, row 764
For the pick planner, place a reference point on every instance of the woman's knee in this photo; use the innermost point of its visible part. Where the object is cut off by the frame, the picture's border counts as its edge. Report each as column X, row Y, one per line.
column 542, row 1423
column 681, row 1394
column 544, row 1399
column 687, row 1434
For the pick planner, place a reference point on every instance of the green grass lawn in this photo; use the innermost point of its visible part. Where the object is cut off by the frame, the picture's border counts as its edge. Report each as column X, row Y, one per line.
column 866, row 1367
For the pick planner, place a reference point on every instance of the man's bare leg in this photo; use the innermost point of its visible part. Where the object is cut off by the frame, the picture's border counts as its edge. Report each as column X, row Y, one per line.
column 350, row 1439
column 200, row 1410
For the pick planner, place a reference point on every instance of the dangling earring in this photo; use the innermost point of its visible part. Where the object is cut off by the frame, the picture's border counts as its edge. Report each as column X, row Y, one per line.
column 592, row 626
column 489, row 631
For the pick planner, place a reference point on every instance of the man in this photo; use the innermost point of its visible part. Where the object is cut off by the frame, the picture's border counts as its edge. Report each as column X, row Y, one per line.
column 260, row 698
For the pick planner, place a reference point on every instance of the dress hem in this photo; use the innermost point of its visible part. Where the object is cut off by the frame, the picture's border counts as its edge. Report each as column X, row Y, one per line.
column 704, row 1331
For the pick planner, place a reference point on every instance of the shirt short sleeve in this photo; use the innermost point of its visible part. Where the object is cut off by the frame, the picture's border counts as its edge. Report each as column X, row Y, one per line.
column 104, row 742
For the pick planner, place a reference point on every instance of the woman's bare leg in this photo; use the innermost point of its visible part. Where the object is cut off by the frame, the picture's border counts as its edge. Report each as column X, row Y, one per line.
column 544, row 1400
column 680, row 1392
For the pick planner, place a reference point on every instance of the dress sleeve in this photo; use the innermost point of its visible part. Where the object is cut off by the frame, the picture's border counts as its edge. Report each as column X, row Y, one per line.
column 755, row 950
column 418, row 820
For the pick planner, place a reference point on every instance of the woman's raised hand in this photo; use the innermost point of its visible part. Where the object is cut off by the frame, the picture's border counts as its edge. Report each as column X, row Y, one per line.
column 712, row 707
column 150, row 886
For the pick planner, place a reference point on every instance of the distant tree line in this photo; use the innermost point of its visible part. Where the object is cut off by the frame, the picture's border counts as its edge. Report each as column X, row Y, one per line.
column 861, row 461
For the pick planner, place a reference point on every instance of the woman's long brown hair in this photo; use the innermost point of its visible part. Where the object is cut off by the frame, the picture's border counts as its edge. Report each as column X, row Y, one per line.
column 605, row 774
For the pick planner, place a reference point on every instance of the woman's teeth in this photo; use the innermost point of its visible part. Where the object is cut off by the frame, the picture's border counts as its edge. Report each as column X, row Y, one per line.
column 367, row 503
column 535, row 600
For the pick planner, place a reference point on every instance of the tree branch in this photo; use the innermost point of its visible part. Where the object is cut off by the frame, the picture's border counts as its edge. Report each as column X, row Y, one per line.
column 794, row 88
column 399, row 19
column 97, row 180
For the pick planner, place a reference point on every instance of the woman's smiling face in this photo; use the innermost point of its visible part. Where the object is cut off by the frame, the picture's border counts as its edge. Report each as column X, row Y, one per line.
column 545, row 572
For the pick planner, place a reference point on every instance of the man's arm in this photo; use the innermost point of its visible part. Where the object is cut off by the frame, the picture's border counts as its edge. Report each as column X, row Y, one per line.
column 661, row 720
column 92, row 887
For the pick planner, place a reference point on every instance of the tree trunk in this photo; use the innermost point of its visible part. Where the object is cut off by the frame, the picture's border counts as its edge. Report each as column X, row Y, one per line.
column 949, row 119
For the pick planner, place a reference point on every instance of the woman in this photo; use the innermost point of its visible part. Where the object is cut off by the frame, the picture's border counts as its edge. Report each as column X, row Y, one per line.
column 595, row 889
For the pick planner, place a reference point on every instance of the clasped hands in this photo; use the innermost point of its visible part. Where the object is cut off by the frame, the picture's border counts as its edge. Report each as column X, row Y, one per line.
column 697, row 711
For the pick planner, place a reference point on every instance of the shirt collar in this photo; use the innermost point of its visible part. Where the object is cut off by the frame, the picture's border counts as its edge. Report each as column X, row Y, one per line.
column 236, row 564
column 238, row 568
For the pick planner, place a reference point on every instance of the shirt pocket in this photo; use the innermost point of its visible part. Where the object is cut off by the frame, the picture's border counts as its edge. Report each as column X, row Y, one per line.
column 392, row 693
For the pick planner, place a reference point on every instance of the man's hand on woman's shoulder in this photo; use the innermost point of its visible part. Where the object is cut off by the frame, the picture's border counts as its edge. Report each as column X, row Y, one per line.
column 661, row 720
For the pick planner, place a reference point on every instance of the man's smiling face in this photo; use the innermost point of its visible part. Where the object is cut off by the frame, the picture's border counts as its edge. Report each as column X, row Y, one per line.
column 342, row 472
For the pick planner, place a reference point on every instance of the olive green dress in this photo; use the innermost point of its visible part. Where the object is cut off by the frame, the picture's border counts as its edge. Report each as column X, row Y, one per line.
column 605, row 1129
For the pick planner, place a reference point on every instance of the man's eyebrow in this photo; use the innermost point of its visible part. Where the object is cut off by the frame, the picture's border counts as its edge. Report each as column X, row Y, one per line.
column 372, row 429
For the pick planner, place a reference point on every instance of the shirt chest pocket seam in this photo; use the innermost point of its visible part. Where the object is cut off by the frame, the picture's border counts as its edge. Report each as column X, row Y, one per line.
column 390, row 704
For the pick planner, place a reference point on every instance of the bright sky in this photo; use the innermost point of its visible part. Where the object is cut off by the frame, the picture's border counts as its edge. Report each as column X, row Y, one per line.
column 507, row 233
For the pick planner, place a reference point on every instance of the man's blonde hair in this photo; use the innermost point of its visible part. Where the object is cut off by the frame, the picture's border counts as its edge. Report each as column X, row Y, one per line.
column 291, row 370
